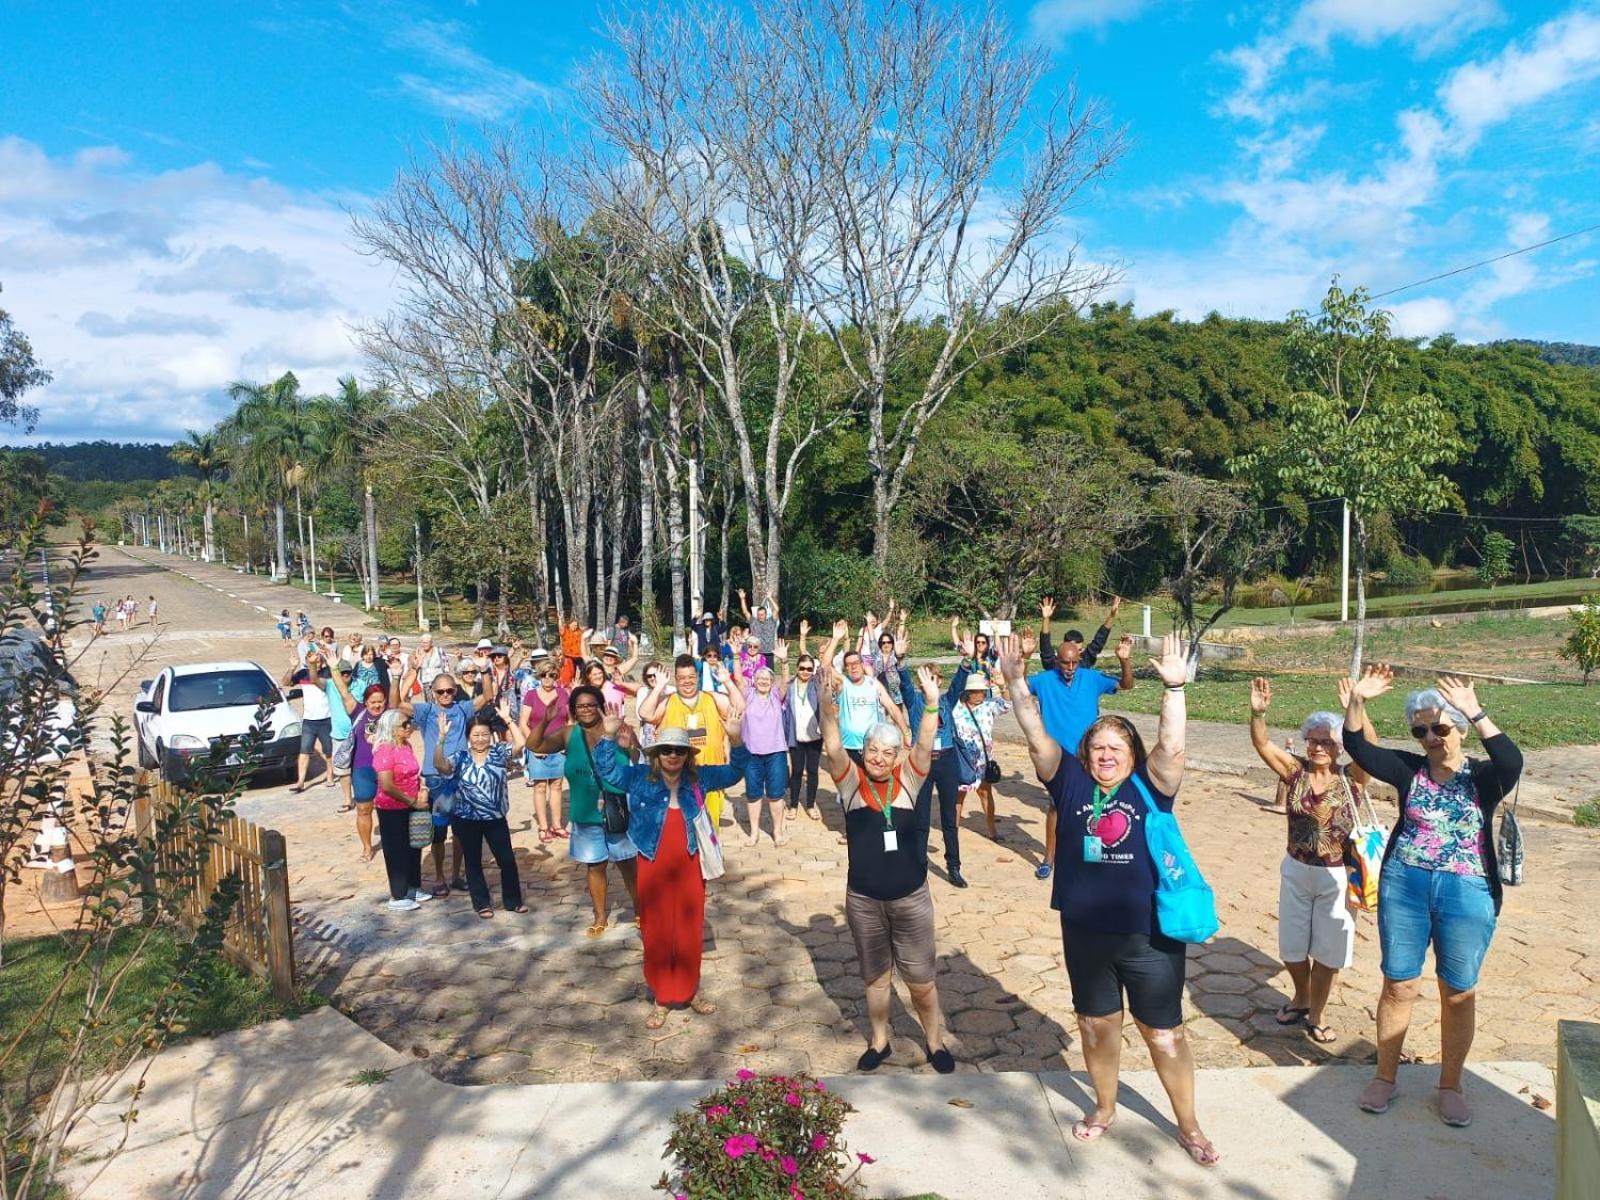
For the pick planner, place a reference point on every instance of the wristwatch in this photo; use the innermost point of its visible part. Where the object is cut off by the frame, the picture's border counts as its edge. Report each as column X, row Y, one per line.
column 1482, row 715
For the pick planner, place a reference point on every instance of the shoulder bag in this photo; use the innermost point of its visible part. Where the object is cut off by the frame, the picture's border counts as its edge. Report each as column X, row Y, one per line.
column 613, row 805
column 991, row 769
column 1363, row 853
column 1508, row 844
column 705, row 836
column 1186, row 907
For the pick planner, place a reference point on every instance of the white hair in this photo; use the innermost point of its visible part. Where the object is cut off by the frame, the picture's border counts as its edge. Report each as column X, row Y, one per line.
column 884, row 733
column 388, row 723
column 1433, row 698
column 1323, row 719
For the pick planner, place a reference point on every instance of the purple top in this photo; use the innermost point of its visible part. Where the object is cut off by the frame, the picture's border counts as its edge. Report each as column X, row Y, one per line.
column 361, row 754
column 762, row 724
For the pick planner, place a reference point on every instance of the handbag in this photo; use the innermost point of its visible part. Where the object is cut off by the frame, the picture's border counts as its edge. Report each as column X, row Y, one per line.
column 710, row 849
column 613, row 805
column 1363, row 855
column 991, row 769
column 1186, row 907
column 1508, row 843
column 419, row 829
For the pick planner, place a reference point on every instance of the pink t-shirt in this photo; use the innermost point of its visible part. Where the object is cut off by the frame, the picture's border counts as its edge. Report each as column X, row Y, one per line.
column 535, row 708
column 403, row 763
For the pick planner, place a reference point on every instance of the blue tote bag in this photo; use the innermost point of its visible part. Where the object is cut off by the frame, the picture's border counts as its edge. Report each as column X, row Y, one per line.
column 1186, row 907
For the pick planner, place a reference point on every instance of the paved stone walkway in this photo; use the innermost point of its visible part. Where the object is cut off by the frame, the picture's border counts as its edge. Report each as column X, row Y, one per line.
column 530, row 999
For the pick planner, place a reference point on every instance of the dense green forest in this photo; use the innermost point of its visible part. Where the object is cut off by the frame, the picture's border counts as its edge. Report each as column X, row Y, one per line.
column 110, row 462
column 1562, row 354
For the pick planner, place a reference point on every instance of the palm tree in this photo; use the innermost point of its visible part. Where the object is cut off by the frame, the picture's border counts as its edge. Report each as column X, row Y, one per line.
column 270, row 434
column 347, row 422
column 209, row 457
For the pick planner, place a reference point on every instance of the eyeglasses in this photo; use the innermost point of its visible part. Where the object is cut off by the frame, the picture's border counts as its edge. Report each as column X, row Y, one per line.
column 444, row 691
column 1439, row 731
column 1329, row 743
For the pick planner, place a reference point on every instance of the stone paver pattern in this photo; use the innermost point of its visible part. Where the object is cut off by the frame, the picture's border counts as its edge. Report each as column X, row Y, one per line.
column 530, row 999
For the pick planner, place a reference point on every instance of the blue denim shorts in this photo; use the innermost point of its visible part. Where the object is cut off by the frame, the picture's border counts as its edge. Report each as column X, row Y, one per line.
column 591, row 844
column 1455, row 913
column 547, row 766
column 766, row 776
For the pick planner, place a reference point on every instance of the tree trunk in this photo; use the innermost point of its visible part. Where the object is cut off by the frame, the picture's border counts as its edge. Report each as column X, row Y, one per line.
column 210, row 551
column 725, row 524
column 371, row 506
column 676, row 548
column 1361, row 594
column 300, row 538
column 502, row 621
column 422, row 609
column 575, row 528
column 647, row 504
column 598, row 600
column 480, row 607
column 311, row 524
column 282, row 569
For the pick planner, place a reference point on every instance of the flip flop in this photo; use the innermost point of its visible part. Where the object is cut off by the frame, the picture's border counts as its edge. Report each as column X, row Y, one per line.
column 545, row 835
column 1200, row 1149
column 704, row 1007
column 1321, row 1034
column 1087, row 1130
column 486, row 914
column 440, row 890
column 595, row 930
column 344, row 808
column 521, row 908
column 656, row 1019
column 1292, row 1016
column 297, row 789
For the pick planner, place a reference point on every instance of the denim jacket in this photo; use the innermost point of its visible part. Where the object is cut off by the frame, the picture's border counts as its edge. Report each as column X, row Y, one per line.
column 648, row 798
column 915, row 704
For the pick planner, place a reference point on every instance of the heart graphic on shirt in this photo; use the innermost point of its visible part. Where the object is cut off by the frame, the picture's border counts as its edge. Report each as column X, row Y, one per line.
column 1113, row 827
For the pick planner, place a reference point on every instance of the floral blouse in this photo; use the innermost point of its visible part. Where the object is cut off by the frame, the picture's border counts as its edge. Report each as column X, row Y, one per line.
column 974, row 731
column 1319, row 825
column 1442, row 827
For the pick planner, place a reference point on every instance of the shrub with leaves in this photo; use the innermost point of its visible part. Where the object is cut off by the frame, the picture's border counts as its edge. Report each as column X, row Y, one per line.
column 763, row 1137
column 1583, row 638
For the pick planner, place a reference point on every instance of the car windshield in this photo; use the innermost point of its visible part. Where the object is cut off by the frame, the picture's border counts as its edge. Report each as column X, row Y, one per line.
column 219, row 689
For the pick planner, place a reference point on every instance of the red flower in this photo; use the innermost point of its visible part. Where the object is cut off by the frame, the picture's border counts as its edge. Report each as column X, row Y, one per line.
column 789, row 1166
column 866, row 1158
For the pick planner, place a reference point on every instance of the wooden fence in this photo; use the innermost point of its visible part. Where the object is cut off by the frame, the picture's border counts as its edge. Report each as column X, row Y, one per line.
column 258, row 937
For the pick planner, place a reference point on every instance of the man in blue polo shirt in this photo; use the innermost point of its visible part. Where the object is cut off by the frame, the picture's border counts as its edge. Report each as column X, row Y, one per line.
column 1069, row 702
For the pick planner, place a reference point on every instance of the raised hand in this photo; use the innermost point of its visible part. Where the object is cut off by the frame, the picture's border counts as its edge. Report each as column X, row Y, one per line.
column 741, row 594
column 1461, row 694
column 1012, row 664
column 611, row 722
column 1029, row 642
column 968, row 647
column 928, row 681
column 1344, row 691
column 902, row 642
column 1261, row 695
column 1116, row 605
column 1374, row 682
column 841, row 630
column 1172, row 666
column 721, row 673
column 805, row 628
column 781, row 650
column 1047, row 609
column 627, row 740
column 1124, row 649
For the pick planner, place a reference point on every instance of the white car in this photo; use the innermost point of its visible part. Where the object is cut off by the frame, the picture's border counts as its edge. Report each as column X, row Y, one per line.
column 182, row 712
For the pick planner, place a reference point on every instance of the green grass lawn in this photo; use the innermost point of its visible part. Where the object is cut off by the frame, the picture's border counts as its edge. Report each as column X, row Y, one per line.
column 1535, row 715
column 230, row 999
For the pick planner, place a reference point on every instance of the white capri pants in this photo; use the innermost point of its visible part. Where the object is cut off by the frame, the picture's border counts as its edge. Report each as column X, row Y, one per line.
column 1313, row 921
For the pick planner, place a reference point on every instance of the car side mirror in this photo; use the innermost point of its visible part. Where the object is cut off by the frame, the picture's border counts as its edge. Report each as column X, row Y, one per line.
column 144, row 684
column 145, row 706
column 292, row 694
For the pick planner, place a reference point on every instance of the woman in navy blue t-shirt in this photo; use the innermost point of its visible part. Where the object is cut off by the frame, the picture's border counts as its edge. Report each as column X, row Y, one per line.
column 1105, row 887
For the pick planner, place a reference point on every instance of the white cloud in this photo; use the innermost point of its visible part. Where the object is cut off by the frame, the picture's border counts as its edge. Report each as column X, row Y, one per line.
column 146, row 294
column 1054, row 21
column 458, row 81
column 1427, row 317
column 1561, row 53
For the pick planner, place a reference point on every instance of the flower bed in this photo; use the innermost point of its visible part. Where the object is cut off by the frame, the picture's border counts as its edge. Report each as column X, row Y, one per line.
column 773, row 1137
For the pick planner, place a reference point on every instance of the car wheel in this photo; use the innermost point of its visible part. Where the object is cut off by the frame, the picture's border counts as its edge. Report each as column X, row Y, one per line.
column 169, row 772
column 146, row 759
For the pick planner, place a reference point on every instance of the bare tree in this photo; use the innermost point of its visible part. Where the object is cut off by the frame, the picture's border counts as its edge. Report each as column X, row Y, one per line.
column 943, row 180
column 698, row 106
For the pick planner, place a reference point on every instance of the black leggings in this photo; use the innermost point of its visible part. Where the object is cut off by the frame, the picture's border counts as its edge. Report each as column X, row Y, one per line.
column 945, row 778
column 804, row 759
column 471, row 837
column 400, row 859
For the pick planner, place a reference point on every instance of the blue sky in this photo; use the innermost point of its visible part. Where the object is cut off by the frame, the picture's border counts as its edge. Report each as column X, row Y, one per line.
column 177, row 179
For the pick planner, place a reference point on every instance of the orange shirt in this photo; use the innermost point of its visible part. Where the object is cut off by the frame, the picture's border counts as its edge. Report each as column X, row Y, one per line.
column 572, row 643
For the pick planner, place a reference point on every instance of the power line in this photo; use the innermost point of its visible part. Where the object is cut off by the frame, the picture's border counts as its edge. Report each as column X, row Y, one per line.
column 1485, row 262
column 1440, row 512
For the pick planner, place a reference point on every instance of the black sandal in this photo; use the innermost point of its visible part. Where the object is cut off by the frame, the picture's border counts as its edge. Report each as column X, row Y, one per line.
column 871, row 1059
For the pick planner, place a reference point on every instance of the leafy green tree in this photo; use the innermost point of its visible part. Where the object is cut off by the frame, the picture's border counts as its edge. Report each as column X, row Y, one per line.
column 206, row 453
column 1348, row 435
column 1583, row 638
column 19, row 371
column 1494, row 564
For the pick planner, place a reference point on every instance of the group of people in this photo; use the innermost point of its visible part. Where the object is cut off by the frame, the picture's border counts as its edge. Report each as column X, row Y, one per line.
column 124, row 611
column 431, row 745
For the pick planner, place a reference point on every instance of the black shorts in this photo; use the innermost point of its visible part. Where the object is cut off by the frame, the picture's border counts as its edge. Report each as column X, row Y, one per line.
column 1149, row 968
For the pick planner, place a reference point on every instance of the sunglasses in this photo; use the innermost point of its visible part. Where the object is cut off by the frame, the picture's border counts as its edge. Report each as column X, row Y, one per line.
column 444, row 691
column 804, row 667
column 1439, row 731
column 675, row 751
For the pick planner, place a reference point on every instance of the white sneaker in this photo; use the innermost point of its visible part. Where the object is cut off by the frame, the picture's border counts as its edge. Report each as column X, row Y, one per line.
column 419, row 896
column 406, row 905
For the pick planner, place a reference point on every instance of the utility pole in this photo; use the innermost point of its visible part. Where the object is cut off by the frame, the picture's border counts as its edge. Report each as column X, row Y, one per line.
column 1344, row 567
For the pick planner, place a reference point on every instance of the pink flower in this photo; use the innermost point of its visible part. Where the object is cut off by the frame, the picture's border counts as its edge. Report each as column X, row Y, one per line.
column 866, row 1159
column 745, row 1075
column 740, row 1101
column 791, row 1098
column 819, row 1142
column 768, row 1155
column 717, row 1110
column 821, row 1087
column 734, row 1147
column 788, row 1166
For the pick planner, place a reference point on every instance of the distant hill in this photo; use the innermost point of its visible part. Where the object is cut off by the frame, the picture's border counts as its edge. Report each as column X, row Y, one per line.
column 113, row 462
column 1561, row 354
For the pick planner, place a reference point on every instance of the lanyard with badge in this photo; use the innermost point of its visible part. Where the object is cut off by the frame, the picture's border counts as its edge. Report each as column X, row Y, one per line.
column 1093, row 847
column 883, row 805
